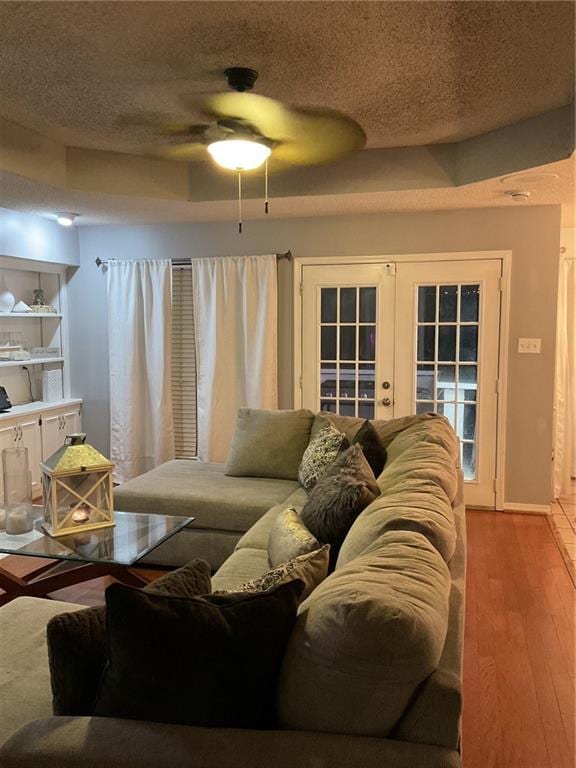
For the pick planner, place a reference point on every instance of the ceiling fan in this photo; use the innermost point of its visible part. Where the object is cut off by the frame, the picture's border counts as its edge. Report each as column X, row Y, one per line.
column 246, row 130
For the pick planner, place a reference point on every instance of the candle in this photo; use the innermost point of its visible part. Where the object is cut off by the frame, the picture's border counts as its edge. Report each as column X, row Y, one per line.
column 2, row 519
column 18, row 520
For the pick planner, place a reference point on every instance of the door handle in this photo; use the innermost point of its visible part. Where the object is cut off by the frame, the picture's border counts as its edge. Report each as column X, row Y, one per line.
column 386, row 401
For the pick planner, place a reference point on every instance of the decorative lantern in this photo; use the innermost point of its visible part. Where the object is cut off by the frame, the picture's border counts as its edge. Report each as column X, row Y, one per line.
column 78, row 489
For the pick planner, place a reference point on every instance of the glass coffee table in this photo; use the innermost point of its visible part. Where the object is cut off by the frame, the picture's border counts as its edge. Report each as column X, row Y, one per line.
column 85, row 555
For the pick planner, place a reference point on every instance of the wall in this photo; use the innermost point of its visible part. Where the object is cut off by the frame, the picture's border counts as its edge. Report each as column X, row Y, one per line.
column 26, row 236
column 531, row 233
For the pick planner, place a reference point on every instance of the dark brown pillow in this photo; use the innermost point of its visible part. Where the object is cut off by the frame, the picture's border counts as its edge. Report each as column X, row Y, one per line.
column 338, row 498
column 77, row 641
column 208, row 661
column 372, row 447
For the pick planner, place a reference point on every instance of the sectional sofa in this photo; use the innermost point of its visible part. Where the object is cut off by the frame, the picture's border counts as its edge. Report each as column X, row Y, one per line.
column 372, row 674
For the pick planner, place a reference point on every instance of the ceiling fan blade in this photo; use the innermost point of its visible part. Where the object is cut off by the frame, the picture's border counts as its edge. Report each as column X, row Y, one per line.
column 267, row 116
column 318, row 136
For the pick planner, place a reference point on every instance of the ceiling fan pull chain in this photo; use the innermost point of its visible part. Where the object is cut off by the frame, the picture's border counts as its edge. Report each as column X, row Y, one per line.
column 266, row 186
column 239, row 203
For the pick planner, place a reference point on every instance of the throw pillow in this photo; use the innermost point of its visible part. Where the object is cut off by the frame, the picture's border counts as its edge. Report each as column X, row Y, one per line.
column 289, row 538
column 338, row 498
column 372, row 447
column 322, row 449
column 208, row 661
column 269, row 443
column 311, row 569
column 77, row 641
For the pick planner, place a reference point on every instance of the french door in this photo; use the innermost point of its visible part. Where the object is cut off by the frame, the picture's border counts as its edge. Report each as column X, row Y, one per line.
column 387, row 340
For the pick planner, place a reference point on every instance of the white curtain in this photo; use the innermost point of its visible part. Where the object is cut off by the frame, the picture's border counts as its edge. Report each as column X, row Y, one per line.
column 139, row 330
column 235, row 314
column 565, row 427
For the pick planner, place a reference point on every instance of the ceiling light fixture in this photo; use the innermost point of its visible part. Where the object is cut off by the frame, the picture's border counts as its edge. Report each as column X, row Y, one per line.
column 239, row 154
column 518, row 195
column 66, row 219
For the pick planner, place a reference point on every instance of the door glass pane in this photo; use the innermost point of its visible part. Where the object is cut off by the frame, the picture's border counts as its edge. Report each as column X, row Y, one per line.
column 447, row 342
column 367, row 338
column 469, row 343
column 328, row 342
column 327, row 381
column 367, row 381
column 427, row 304
column 468, row 457
column 446, row 387
column 448, row 303
column 447, row 360
column 469, row 303
column 347, row 342
column 366, row 410
column 426, row 338
column 425, row 382
column 347, row 305
column 348, row 334
column 347, row 380
column 328, row 305
column 346, row 408
column 367, row 305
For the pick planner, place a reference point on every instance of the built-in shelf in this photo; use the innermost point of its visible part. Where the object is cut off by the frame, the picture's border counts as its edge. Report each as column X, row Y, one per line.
column 32, row 361
column 30, row 314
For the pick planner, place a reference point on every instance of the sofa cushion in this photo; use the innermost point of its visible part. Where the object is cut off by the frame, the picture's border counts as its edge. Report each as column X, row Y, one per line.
column 242, row 565
column 289, row 538
column 208, row 661
column 366, row 638
column 416, row 505
column 24, row 672
column 310, row 568
column 218, row 502
column 322, row 449
column 77, row 641
column 269, row 443
column 422, row 461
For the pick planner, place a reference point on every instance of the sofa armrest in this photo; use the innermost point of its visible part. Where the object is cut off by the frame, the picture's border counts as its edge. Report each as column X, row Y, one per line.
column 83, row 742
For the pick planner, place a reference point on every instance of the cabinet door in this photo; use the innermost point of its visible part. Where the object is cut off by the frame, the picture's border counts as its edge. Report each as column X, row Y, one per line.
column 8, row 437
column 30, row 438
column 71, row 421
column 53, row 433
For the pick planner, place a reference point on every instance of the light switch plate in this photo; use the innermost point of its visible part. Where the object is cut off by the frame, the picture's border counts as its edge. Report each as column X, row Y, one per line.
column 529, row 346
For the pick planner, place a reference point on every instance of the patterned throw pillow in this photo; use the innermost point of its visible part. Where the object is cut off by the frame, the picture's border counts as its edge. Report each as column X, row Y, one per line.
column 338, row 498
column 322, row 449
column 311, row 568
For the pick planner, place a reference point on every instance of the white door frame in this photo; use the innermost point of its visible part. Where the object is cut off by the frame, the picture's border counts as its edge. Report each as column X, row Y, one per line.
column 505, row 258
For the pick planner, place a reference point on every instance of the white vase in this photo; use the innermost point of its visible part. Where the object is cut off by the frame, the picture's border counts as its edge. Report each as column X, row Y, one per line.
column 7, row 298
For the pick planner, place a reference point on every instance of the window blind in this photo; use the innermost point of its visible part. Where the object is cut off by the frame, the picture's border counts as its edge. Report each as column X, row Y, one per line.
column 183, row 364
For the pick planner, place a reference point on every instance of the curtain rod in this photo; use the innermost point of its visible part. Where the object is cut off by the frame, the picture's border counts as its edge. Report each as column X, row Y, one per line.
column 185, row 262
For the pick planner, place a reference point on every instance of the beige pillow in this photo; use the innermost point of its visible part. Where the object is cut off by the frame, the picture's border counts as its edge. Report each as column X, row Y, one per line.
column 289, row 538
column 269, row 443
column 311, row 568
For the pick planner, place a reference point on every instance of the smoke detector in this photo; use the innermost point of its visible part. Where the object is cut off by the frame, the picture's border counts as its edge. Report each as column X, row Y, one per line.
column 519, row 195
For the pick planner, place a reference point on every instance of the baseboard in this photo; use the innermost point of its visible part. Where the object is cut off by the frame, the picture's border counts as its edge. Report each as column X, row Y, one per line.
column 528, row 509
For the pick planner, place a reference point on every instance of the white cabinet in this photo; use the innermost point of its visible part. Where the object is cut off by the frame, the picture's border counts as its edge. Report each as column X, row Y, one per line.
column 55, row 426
column 42, row 429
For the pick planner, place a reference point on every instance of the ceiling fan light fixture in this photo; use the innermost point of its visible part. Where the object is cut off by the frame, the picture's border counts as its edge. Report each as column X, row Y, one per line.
column 239, row 154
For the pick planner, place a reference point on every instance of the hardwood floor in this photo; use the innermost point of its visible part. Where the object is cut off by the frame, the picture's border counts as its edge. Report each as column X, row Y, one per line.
column 519, row 683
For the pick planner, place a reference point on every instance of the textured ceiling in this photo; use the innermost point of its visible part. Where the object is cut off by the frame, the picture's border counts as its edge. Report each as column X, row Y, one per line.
column 410, row 73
